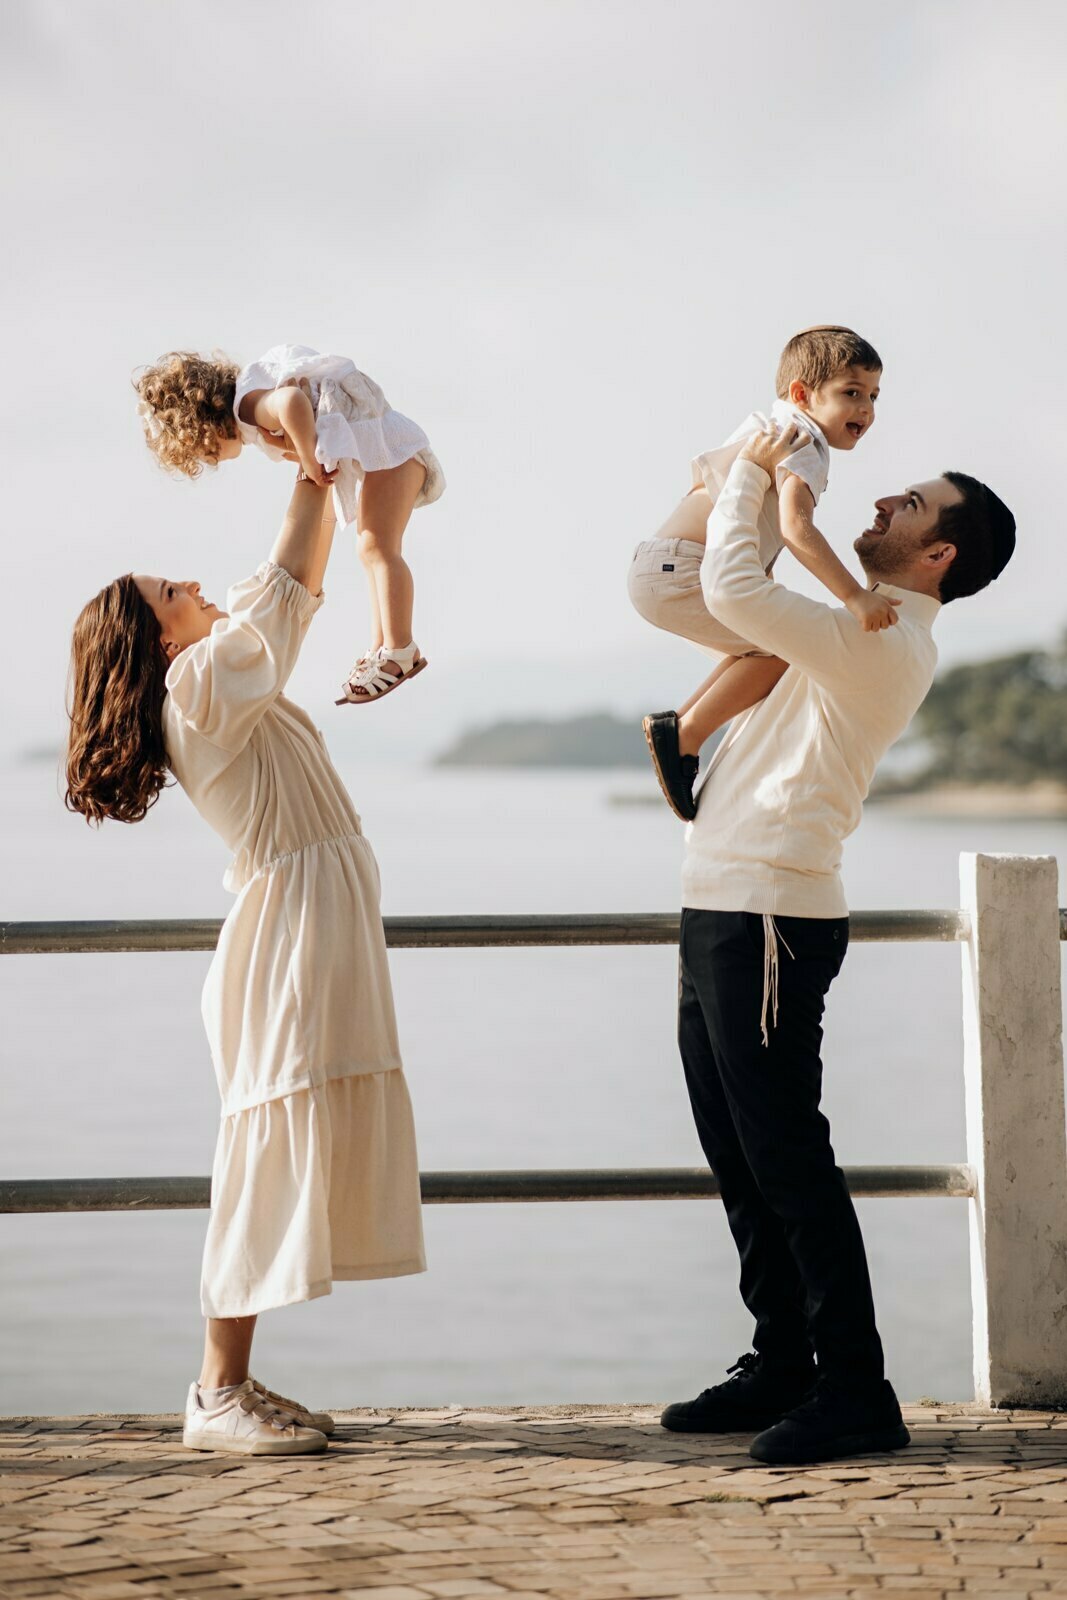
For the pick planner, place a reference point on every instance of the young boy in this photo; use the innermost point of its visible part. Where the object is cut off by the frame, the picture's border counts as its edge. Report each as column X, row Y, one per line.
column 828, row 381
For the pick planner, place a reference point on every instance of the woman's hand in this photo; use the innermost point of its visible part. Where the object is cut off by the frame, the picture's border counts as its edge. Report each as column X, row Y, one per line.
column 313, row 471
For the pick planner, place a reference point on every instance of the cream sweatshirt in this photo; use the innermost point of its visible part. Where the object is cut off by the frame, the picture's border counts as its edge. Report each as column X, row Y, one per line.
column 787, row 783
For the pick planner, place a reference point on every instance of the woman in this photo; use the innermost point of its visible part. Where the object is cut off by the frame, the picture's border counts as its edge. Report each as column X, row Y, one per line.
column 315, row 1175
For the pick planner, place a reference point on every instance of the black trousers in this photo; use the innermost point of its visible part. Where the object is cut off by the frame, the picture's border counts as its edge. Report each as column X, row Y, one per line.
column 804, row 1270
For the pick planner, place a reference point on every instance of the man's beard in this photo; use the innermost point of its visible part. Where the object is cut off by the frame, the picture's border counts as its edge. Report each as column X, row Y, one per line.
column 875, row 559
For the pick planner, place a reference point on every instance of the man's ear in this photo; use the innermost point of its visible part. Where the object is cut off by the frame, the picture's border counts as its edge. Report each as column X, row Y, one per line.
column 799, row 393
column 939, row 556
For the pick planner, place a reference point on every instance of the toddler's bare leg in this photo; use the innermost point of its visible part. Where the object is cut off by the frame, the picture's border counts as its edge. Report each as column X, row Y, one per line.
column 737, row 684
column 227, row 1347
column 377, row 637
column 386, row 502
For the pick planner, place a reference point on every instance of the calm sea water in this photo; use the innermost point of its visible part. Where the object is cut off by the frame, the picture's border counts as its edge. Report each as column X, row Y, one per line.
column 515, row 1058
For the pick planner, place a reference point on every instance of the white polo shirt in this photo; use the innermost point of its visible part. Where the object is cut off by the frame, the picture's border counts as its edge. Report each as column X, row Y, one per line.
column 786, row 785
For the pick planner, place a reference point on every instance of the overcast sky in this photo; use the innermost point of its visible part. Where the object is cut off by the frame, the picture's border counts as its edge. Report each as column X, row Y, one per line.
column 569, row 238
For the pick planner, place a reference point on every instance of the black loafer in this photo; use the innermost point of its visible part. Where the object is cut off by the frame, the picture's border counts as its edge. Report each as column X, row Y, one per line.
column 676, row 773
column 754, row 1397
column 835, row 1423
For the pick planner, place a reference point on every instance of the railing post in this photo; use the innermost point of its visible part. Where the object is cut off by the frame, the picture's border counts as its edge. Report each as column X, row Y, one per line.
column 1013, row 1075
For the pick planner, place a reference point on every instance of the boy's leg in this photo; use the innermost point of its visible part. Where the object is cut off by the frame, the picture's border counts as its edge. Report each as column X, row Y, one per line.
column 724, row 666
column 773, row 1092
column 738, row 684
column 770, row 1282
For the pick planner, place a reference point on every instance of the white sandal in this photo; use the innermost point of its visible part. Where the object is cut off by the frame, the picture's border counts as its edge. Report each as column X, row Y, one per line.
column 369, row 680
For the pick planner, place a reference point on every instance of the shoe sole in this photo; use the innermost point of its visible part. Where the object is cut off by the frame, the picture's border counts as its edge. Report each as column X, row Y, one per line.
column 251, row 1447
column 852, row 1444
column 646, row 725
column 737, row 1425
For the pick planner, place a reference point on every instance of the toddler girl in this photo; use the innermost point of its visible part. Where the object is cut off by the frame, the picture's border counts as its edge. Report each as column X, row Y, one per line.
column 321, row 411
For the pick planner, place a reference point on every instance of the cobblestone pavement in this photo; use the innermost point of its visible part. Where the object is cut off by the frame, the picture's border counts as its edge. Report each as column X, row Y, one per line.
column 597, row 1503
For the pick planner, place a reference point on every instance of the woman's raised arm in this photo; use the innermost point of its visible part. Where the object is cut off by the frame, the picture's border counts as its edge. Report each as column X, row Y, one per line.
column 304, row 542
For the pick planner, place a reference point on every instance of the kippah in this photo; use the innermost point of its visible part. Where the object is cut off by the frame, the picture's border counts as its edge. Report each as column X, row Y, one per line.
column 1001, row 531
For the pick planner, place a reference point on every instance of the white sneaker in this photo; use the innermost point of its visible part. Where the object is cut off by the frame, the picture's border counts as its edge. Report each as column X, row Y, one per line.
column 307, row 1419
column 247, row 1425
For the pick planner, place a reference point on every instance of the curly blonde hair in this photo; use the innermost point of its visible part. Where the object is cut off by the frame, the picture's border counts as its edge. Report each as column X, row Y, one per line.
column 187, row 408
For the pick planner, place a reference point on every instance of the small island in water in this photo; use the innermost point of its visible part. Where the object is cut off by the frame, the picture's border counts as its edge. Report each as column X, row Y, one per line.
column 991, row 737
column 593, row 739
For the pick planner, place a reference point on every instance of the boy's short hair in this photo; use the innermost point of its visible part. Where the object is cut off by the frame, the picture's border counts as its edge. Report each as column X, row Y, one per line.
column 815, row 354
column 983, row 531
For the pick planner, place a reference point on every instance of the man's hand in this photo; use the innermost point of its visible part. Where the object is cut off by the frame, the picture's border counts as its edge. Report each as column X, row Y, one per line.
column 873, row 611
column 769, row 450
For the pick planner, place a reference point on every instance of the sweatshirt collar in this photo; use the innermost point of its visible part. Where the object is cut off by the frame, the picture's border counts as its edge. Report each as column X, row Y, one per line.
column 784, row 412
column 922, row 608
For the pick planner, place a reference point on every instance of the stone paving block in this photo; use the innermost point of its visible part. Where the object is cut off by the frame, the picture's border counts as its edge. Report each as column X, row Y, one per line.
column 571, row 1504
column 388, row 1591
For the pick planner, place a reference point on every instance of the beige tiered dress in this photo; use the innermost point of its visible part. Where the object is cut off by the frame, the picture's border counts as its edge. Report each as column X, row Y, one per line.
column 316, row 1173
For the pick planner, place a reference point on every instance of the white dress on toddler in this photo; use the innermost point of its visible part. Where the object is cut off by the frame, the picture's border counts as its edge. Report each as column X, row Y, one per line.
column 357, row 429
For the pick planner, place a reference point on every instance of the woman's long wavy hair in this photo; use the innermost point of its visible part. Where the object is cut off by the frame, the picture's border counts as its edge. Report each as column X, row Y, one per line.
column 116, row 760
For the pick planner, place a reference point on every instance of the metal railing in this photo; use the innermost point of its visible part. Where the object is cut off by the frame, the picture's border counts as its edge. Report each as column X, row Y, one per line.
column 951, row 1181
column 1009, row 931
column 451, row 933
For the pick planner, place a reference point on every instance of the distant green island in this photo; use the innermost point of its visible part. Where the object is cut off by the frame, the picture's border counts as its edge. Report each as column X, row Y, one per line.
column 1000, row 724
column 990, row 735
column 594, row 739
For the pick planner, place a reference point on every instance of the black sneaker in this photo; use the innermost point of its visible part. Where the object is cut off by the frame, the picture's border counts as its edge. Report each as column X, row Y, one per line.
column 754, row 1397
column 676, row 773
column 833, row 1423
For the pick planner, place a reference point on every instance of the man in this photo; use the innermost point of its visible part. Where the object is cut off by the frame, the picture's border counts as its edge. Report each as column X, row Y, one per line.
column 764, row 931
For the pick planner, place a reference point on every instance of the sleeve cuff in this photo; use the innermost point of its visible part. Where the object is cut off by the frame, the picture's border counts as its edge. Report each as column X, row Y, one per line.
column 749, row 470
column 293, row 591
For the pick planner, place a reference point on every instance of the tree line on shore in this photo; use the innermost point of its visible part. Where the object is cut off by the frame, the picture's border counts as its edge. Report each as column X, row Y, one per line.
column 1001, row 721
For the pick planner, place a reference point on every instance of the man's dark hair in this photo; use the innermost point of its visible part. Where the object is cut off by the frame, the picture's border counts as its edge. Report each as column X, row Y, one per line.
column 983, row 531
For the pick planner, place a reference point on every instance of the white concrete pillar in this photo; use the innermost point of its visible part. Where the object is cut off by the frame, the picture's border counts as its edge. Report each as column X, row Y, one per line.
column 1013, row 1070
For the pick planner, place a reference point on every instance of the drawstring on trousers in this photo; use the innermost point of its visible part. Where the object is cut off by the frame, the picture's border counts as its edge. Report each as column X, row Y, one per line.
column 771, row 937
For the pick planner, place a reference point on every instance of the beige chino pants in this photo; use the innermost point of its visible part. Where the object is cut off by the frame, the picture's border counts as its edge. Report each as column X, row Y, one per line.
column 664, row 586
